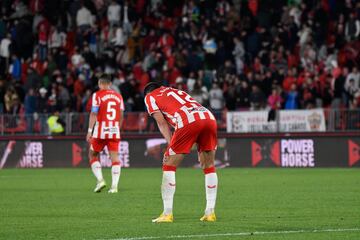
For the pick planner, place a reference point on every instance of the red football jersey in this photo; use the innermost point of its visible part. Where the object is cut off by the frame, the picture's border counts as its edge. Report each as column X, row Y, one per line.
column 178, row 107
column 107, row 104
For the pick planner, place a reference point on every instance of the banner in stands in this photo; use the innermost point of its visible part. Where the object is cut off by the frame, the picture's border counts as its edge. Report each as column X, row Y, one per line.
column 299, row 152
column 290, row 121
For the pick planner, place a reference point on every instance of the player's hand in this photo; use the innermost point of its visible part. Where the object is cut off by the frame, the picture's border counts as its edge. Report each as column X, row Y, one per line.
column 88, row 137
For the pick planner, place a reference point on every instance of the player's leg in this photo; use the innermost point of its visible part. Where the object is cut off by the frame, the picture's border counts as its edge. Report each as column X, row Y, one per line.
column 180, row 145
column 207, row 142
column 211, row 183
column 168, row 185
column 95, row 148
column 113, row 147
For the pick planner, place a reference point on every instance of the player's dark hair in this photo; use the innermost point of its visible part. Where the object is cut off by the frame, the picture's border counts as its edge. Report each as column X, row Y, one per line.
column 105, row 79
column 151, row 86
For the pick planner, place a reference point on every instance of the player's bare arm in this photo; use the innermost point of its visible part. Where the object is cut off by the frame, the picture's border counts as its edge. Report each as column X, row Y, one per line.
column 92, row 121
column 163, row 126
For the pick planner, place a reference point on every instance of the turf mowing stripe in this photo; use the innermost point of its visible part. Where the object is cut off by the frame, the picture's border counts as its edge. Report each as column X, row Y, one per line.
column 240, row 234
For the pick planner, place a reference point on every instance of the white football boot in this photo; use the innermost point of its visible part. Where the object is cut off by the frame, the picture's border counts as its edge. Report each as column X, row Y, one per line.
column 100, row 186
column 113, row 190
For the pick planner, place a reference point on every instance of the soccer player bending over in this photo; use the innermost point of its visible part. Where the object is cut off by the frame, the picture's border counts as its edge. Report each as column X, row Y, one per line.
column 104, row 130
column 193, row 123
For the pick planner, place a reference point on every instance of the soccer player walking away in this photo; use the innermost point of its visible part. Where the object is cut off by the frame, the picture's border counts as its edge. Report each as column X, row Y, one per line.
column 104, row 130
column 193, row 123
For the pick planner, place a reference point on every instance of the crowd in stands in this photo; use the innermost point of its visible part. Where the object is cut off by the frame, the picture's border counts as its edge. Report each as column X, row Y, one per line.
column 228, row 54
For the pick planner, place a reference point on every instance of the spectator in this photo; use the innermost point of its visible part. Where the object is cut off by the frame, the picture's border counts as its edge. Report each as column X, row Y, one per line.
column 5, row 53
column 33, row 80
column 64, row 96
column 113, row 13
column 352, row 28
column 355, row 75
column 242, row 93
column 30, row 108
column 239, row 53
column 216, row 98
column 15, row 68
column 274, row 103
column 119, row 39
column 292, row 98
column 55, row 124
column 43, row 42
column 84, row 19
column 200, row 93
column 191, row 82
column 274, row 100
column 308, row 94
column 42, row 109
column 338, row 89
column 57, row 39
column 256, row 98
column 352, row 90
column 10, row 99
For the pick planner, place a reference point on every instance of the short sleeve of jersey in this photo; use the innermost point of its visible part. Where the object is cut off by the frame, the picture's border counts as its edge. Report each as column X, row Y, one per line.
column 95, row 103
column 151, row 105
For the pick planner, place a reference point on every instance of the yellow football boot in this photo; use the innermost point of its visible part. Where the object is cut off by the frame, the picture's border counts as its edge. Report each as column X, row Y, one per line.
column 208, row 218
column 164, row 219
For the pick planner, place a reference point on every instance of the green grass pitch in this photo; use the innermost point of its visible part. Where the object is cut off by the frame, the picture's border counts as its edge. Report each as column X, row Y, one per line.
column 59, row 204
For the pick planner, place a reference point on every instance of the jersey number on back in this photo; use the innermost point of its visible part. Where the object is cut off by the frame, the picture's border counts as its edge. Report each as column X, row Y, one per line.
column 189, row 111
column 178, row 96
column 111, row 111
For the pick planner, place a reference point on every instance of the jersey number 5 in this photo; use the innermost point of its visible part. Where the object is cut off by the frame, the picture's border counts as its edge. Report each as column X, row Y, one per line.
column 111, row 111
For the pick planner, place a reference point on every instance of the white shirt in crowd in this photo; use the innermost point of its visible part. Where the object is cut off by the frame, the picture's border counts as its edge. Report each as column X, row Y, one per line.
column 119, row 39
column 4, row 48
column 216, row 98
column 190, row 84
column 355, row 76
column 113, row 13
column 57, row 39
column 83, row 17
column 76, row 59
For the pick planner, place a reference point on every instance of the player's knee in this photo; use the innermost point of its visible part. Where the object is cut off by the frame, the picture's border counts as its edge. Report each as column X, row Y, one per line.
column 114, row 156
column 115, row 161
column 207, row 159
column 208, row 163
column 173, row 160
column 93, row 154
column 209, row 170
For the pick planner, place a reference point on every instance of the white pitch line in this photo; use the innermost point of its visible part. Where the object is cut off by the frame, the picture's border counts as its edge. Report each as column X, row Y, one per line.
column 241, row 234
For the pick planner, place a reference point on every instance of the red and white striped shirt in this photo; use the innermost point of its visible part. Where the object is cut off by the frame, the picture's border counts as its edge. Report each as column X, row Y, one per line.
column 178, row 107
column 108, row 105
